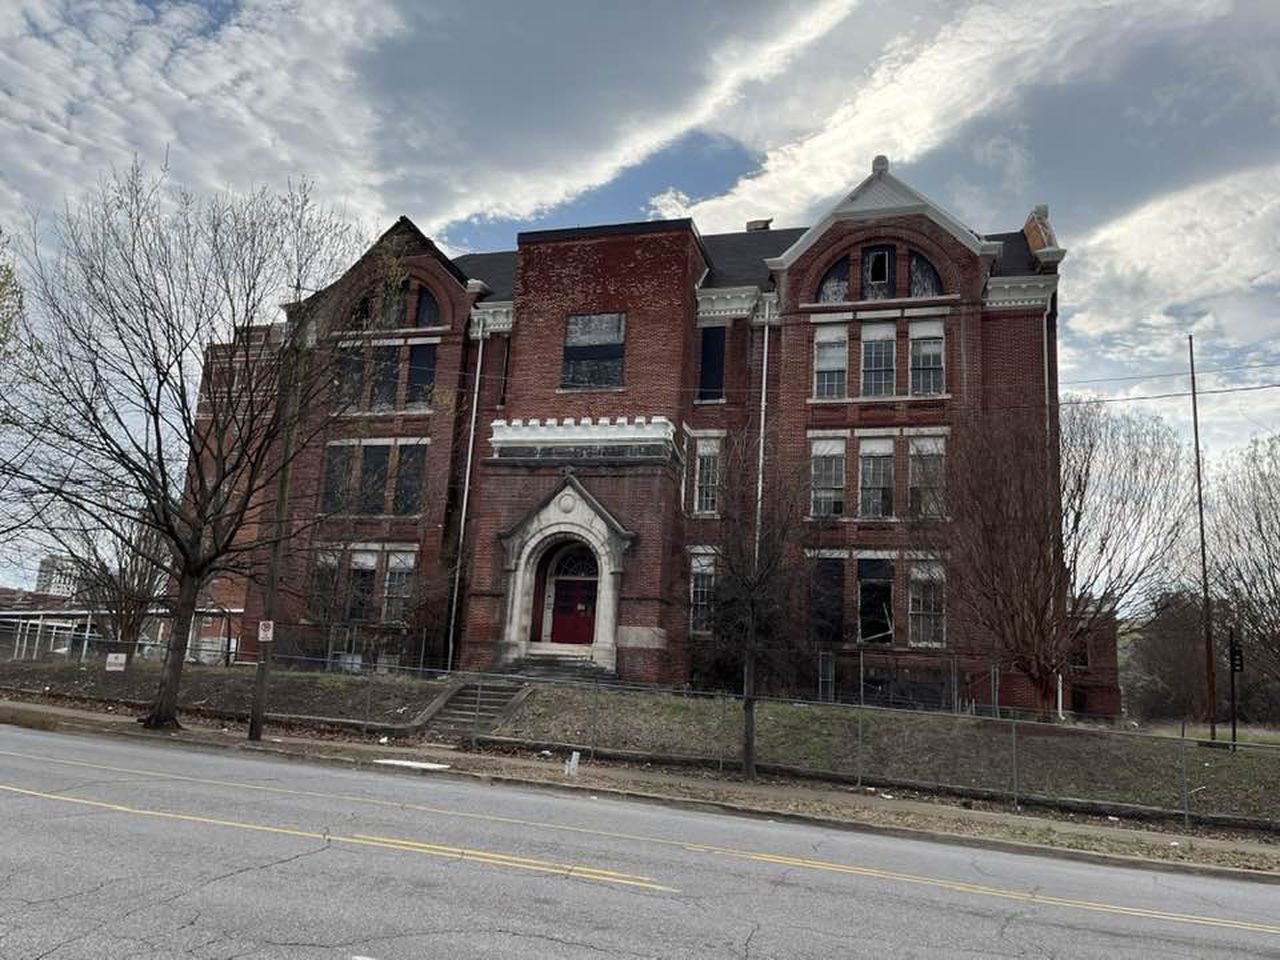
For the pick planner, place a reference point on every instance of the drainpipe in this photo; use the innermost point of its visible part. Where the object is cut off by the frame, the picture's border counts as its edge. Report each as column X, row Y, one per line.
column 764, row 406
column 466, row 494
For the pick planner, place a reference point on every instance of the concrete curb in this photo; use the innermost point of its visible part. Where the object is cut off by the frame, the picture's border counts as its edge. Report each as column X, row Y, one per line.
column 77, row 724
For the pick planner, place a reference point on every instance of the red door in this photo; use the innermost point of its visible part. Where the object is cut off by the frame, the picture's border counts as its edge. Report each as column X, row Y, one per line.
column 573, row 615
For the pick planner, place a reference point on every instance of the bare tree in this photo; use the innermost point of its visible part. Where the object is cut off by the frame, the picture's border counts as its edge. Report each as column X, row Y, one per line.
column 1245, row 525
column 1043, row 551
column 151, row 362
column 751, row 619
column 12, row 451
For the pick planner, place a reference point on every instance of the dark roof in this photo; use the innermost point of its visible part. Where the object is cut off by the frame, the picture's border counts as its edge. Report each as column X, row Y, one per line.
column 737, row 259
column 497, row 270
column 1014, row 258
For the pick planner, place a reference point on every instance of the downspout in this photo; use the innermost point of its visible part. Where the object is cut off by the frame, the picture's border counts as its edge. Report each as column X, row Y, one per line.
column 764, row 406
column 466, row 495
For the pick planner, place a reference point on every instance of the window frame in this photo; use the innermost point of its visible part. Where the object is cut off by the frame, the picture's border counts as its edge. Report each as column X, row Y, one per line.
column 706, row 491
column 335, row 486
column 874, row 455
column 922, row 496
column 400, row 505
column 873, row 338
column 828, row 477
column 833, row 276
column 886, row 289
column 702, row 589
column 425, row 292
column 833, row 340
column 364, row 485
column 913, row 258
column 419, row 391
column 921, row 333
column 369, row 599
column 405, row 584
column 612, row 352
column 885, row 578
column 926, row 623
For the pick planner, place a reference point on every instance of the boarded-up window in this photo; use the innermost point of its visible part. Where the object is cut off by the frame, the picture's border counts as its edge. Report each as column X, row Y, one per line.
column 834, row 286
column 925, row 281
column 410, row 478
column 337, row 477
column 711, row 370
column 593, row 351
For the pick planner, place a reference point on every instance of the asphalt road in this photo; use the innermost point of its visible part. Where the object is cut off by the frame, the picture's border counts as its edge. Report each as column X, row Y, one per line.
column 115, row 849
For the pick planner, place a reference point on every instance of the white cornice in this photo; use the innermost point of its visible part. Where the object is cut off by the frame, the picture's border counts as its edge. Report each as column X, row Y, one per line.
column 582, row 432
column 490, row 318
column 1020, row 293
column 728, row 303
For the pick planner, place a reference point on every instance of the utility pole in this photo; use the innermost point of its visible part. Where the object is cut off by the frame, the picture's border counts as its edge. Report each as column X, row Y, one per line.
column 1206, row 612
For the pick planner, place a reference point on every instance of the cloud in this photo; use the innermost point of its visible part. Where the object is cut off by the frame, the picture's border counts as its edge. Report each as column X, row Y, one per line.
column 921, row 93
column 1206, row 257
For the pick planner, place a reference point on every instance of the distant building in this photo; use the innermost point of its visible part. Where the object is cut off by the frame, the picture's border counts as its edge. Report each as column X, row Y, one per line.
column 57, row 576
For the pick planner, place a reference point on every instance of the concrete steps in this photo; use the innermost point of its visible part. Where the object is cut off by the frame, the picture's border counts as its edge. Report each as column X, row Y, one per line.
column 571, row 669
column 475, row 707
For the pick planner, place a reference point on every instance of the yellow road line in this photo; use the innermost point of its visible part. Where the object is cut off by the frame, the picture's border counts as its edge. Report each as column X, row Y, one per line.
column 598, row 875
column 960, row 886
column 869, row 872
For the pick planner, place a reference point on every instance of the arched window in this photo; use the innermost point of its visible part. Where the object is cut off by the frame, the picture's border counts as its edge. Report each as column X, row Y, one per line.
column 925, row 281
column 428, row 314
column 576, row 561
column 834, row 287
column 879, row 275
column 394, row 304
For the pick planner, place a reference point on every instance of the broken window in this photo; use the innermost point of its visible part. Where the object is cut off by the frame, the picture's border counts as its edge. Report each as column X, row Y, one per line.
column 385, row 373
column 878, row 273
column 410, row 478
column 702, row 588
column 593, row 351
column 826, row 464
column 711, row 370
column 422, row 374
column 925, row 281
column 397, row 588
column 362, row 570
column 834, row 287
column 830, row 361
column 875, row 601
column 337, row 477
column 927, row 601
column 428, row 311
column 706, row 483
column 826, row 600
column 876, row 478
column 879, row 349
column 926, row 476
column 374, row 459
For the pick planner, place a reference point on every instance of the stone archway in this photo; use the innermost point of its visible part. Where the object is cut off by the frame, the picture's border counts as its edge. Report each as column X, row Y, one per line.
column 570, row 515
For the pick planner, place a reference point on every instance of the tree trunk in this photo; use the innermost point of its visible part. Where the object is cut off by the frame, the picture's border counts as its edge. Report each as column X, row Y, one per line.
column 164, row 712
column 749, row 704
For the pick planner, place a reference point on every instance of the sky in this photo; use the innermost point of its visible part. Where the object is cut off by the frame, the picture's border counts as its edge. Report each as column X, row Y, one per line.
column 1150, row 128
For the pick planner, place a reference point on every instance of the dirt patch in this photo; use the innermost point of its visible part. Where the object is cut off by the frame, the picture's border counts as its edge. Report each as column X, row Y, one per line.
column 377, row 698
column 938, row 749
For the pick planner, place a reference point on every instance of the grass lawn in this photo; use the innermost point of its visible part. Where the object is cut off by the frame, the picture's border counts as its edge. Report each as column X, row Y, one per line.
column 380, row 698
column 943, row 749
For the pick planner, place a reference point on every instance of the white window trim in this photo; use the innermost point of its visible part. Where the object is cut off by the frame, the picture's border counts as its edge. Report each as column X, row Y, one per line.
column 705, row 446
column 829, row 335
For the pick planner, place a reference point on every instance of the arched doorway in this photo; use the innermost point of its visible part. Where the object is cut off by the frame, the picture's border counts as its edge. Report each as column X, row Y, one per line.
column 568, row 580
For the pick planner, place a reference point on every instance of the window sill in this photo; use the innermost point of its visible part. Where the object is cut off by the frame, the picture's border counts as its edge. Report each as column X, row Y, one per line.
column 362, row 333
column 703, row 515
column 407, row 411
column 853, row 518
column 887, row 302
column 712, row 402
column 621, row 389
column 371, row 516
column 896, row 398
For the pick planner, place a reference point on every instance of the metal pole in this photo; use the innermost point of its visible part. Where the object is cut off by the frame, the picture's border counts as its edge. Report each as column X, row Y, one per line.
column 84, row 647
column 481, row 338
column 861, row 687
column 1231, row 645
column 1014, row 727
column 859, row 746
column 1186, row 802
column 1206, row 612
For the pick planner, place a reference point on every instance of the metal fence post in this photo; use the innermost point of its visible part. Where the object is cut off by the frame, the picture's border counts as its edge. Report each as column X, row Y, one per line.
column 1014, row 726
column 595, row 713
column 861, row 686
column 475, row 725
column 859, row 744
column 1186, row 794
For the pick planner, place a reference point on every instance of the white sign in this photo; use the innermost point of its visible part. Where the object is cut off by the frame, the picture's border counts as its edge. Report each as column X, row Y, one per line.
column 116, row 661
column 266, row 631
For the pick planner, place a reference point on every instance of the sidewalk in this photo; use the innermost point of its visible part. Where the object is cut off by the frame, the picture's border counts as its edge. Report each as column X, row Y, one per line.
column 1256, row 856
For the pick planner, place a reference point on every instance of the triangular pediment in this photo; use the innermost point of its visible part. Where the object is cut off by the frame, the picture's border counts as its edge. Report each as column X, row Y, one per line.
column 570, row 507
column 883, row 195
